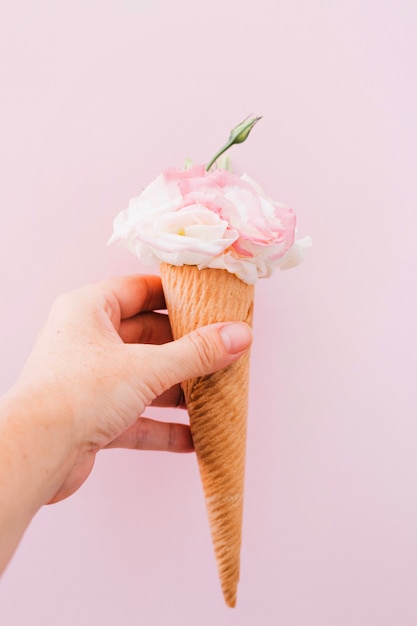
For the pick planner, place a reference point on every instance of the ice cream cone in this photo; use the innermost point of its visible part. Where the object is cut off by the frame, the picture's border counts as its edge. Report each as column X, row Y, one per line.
column 217, row 405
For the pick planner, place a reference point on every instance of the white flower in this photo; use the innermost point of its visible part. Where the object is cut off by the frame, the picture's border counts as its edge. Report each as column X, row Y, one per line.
column 210, row 219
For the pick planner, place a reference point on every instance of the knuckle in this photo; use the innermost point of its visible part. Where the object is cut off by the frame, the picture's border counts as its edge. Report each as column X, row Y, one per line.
column 60, row 302
column 205, row 347
column 172, row 437
column 141, row 434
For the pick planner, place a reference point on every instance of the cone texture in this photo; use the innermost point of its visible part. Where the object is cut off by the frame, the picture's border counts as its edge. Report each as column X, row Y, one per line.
column 217, row 405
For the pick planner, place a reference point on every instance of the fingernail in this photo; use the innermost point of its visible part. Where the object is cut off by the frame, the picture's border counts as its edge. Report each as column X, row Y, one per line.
column 236, row 337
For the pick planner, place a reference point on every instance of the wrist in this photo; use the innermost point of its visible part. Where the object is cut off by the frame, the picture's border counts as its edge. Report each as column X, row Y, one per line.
column 38, row 443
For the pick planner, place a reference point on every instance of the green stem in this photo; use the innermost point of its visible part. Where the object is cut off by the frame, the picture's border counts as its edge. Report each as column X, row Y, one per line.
column 218, row 154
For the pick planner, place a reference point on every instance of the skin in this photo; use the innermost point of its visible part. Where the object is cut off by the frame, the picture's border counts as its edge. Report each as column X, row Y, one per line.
column 103, row 356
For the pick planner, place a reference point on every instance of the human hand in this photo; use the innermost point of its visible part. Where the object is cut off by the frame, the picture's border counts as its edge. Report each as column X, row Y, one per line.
column 97, row 379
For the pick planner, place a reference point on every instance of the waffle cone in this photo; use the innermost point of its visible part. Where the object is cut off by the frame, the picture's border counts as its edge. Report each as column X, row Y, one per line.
column 217, row 405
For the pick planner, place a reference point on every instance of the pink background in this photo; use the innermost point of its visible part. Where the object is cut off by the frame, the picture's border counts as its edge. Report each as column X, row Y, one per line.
column 96, row 98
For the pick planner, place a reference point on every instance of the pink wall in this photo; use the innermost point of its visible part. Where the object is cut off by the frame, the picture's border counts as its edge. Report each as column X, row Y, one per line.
column 96, row 98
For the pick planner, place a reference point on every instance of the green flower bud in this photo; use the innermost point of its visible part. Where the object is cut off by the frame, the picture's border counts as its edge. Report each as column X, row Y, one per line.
column 239, row 134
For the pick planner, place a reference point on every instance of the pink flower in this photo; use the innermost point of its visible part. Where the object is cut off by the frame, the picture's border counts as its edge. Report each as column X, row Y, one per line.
column 209, row 219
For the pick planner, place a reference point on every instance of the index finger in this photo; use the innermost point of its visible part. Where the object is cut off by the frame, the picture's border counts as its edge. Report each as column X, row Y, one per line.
column 135, row 294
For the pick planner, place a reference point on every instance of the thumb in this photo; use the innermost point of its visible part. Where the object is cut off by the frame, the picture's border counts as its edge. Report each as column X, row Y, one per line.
column 203, row 351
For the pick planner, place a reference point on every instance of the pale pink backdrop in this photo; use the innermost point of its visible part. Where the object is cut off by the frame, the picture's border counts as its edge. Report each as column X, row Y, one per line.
column 96, row 98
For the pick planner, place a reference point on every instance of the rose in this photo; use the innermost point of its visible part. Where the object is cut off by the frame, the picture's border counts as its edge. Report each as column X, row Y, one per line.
column 209, row 219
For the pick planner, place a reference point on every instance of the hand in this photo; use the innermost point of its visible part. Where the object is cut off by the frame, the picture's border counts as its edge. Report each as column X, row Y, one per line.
column 98, row 380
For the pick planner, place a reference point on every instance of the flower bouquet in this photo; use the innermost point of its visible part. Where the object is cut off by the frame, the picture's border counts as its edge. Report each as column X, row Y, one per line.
column 213, row 234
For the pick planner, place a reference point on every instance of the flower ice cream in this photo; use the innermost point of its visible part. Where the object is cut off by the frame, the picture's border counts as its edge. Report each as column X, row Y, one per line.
column 210, row 219
column 213, row 234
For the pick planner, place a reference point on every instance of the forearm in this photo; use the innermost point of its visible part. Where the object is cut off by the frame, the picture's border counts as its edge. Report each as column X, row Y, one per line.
column 35, row 453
